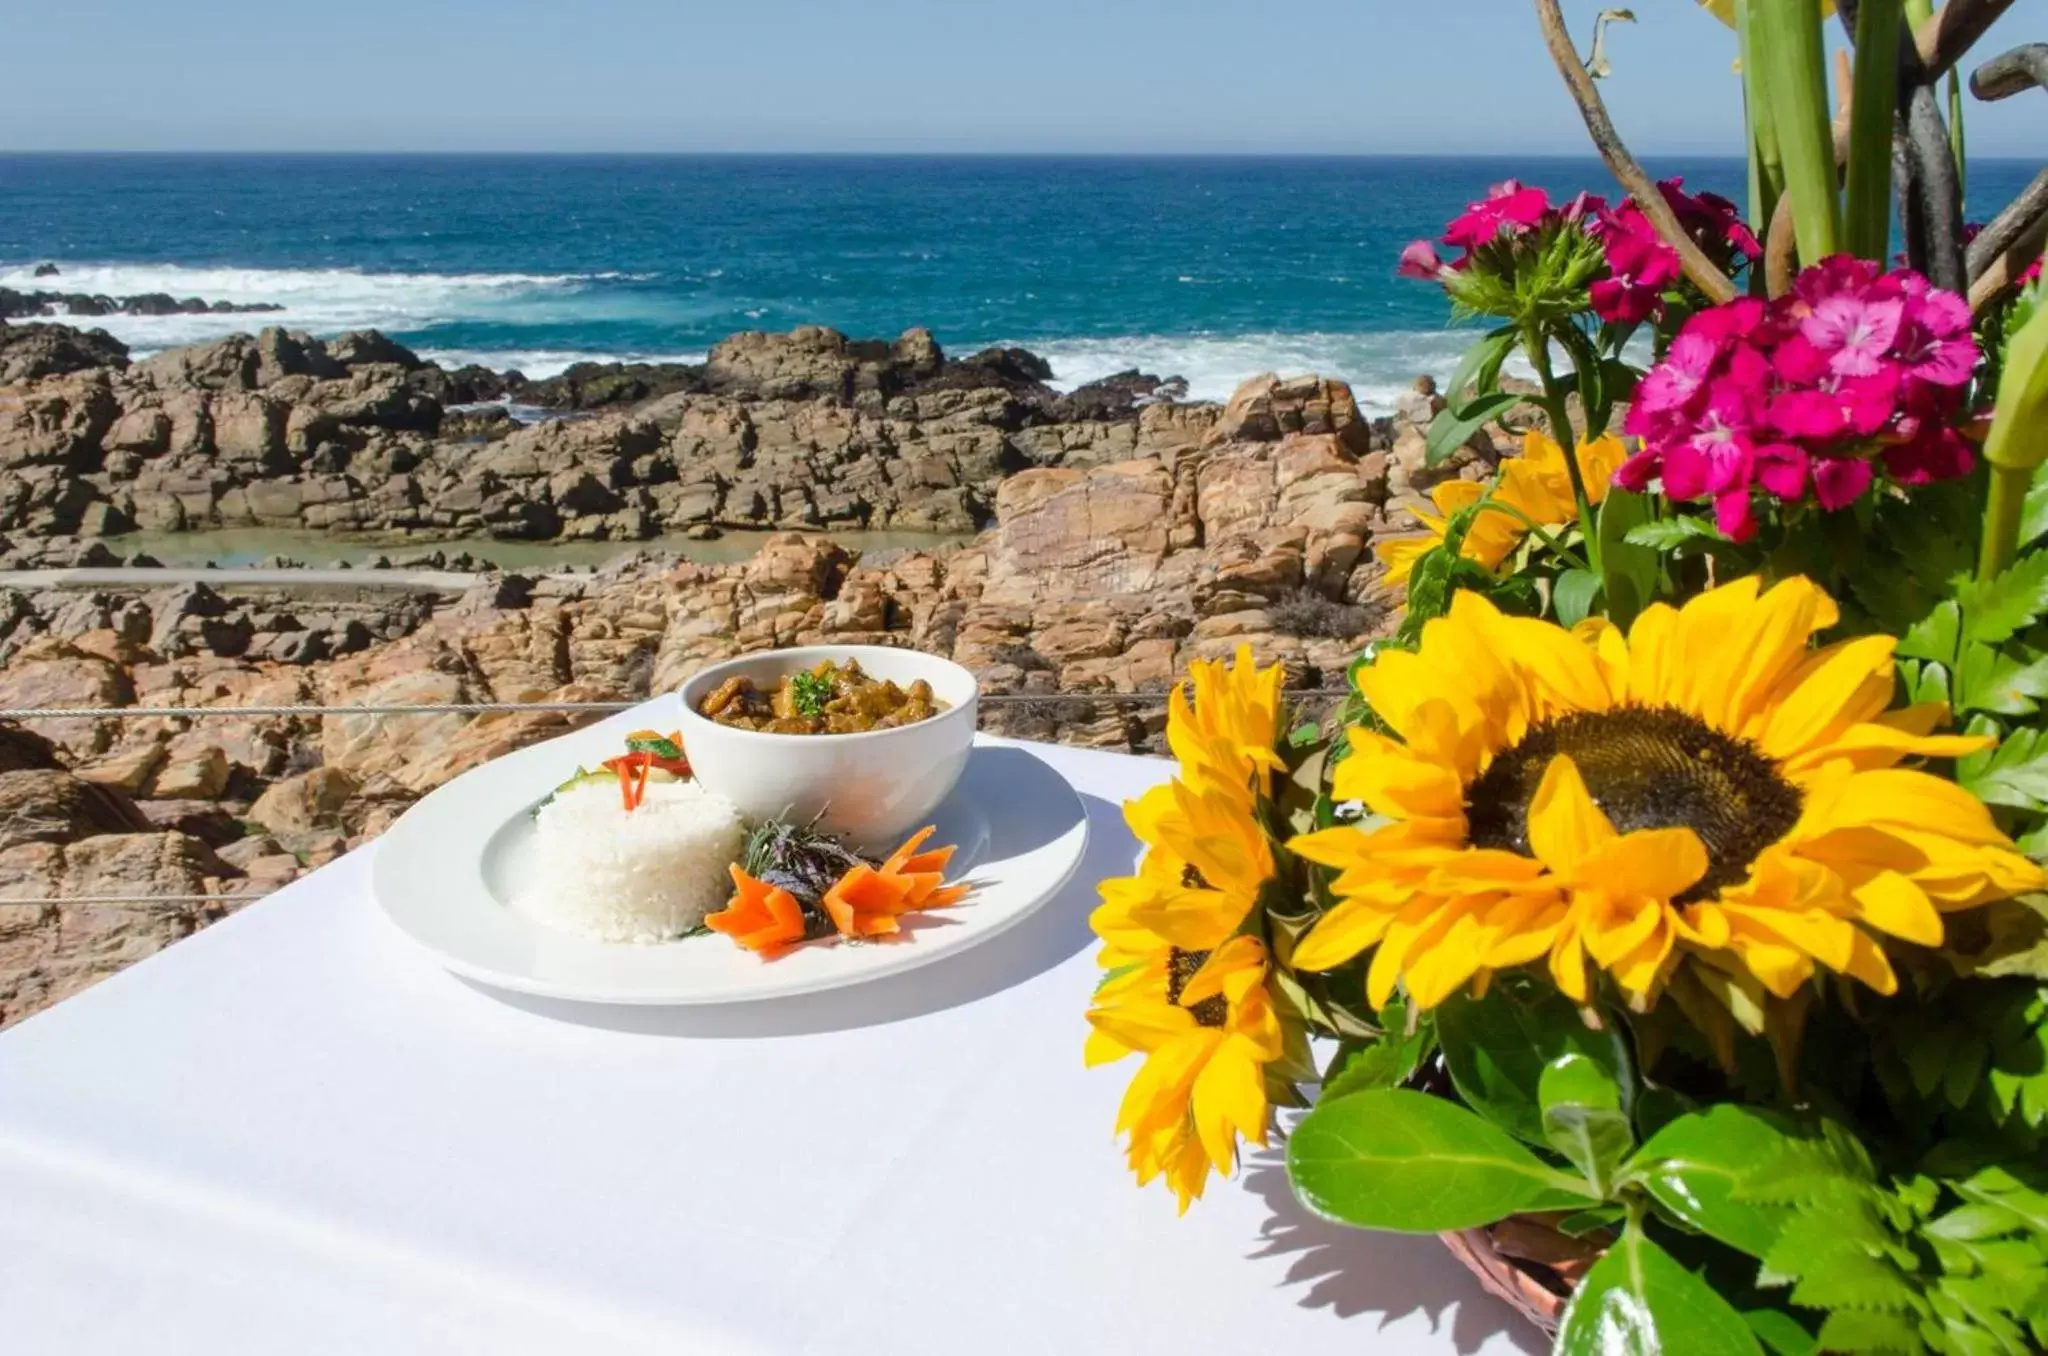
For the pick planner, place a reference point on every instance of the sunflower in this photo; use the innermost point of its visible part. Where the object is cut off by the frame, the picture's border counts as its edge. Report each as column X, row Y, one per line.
column 1207, row 1028
column 1708, row 786
column 1206, row 859
column 1223, row 722
column 1186, row 982
column 1535, row 485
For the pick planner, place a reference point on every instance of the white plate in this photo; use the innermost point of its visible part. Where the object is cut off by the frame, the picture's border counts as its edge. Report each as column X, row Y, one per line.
column 445, row 871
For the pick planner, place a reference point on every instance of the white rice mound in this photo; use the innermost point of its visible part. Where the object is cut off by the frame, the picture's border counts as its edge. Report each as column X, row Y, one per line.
column 645, row 876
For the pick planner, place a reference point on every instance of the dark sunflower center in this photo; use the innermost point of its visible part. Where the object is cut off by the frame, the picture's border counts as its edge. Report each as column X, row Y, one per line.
column 1180, row 968
column 1646, row 767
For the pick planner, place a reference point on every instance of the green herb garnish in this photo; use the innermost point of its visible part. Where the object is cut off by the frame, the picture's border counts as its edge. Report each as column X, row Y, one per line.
column 808, row 693
column 658, row 745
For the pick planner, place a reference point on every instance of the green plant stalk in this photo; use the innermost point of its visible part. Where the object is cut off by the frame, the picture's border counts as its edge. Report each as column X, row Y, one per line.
column 1791, row 60
column 2017, row 442
column 1766, row 168
column 1537, row 344
column 1873, row 104
column 2003, row 509
column 1955, row 132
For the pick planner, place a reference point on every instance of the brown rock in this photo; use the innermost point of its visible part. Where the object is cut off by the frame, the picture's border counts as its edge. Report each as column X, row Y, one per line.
column 311, row 800
column 191, row 772
column 51, row 806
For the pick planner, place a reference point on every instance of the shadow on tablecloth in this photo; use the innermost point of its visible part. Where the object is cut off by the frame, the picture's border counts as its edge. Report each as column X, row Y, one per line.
column 1054, row 933
column 1362, row 1275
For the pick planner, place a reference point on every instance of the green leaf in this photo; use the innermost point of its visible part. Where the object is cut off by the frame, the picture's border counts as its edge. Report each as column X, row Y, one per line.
column 1780, row 1332
column 2034, row 515
column 1696, row 1166
column 1855, row 1330
column 2014, row 773
column 1997, row 609
column 1628, row 571
column 1935, row 636
column 2000, row 681
column 1573, row 594
column 1496, row 1048
column 1480, row 367
column 1386, row 1062
column 1394, row 1159
column 1668, row 534
column 1453, row 427
column 1638, row 1301
column 1925, row 682
column 1583, row 1119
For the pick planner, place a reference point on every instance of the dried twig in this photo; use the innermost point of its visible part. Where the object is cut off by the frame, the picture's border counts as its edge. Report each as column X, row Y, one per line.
column 2004, row 269
column 1938, row 195
column 1781, row 249
column 2009, row 226
column 1710, row 280
column 1950, row 32
column 2010, row 73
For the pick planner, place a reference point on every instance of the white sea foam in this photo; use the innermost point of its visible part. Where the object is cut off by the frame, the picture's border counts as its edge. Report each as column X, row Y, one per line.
column 1379, row 367
column 545, row 362
column 323, row 300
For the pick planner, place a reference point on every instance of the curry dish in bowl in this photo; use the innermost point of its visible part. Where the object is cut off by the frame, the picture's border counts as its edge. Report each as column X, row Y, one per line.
column 830, row 697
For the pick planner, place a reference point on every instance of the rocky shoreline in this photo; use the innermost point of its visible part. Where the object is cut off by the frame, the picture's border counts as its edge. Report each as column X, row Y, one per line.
column 357, row 433
column 1120, row 534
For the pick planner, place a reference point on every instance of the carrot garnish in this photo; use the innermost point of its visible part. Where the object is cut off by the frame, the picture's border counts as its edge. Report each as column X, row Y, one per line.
column 762, row 918
column 868, row 900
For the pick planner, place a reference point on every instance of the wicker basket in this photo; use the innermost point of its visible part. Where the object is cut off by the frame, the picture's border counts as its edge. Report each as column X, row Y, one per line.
column 1527, row 1262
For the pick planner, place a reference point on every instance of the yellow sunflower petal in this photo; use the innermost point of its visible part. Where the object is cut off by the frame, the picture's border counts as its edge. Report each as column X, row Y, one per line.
column 1841, row 686
column 1891, row 903
column 1400, row 555
column 1653, row 863
column 1396, row 782
column 1342, row 933
column 1229, row 1100
column 1565, row 826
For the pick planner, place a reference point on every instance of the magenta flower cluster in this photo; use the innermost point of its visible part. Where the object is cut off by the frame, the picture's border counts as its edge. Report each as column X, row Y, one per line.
column 1802, row 394
column 1640, row 265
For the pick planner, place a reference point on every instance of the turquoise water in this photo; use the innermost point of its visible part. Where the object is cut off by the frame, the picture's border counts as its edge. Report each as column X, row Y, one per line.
column 1207, row 268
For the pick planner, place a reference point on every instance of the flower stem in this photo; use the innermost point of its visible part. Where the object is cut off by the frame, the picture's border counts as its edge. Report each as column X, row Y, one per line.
column 1536, row 530
column 2002, row 513
column 1766, row 168
column 1553, row 402
column 1785, row 40
column 1867, row 226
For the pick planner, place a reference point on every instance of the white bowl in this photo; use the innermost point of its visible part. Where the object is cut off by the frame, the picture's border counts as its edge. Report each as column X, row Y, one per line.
column 874, row 787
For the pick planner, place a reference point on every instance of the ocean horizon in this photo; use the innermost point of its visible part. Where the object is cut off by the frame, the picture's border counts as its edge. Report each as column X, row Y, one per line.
column 1209, row 267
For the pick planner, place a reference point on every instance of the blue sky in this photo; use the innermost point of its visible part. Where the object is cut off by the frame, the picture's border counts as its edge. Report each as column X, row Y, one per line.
column 1310, row 76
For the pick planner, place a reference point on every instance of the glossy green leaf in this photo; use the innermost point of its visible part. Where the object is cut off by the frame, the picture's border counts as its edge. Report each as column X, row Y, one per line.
column 1407, row 1161
column 1583, row 1119
column 1454, row 427
column 1573, row 594
column 1638, row 1301
column 1496, row 1048
column 1386, row 1061
column 1695, row 1167
column 1628, row 569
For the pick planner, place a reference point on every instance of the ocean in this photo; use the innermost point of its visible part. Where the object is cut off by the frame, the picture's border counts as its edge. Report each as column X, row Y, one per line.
column 1211, row 268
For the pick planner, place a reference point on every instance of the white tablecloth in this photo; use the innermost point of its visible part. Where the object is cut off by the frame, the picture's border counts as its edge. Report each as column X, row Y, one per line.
column 295, row 1134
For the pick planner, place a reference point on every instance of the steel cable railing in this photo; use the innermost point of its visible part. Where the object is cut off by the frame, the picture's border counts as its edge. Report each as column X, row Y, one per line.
column 314, row 710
